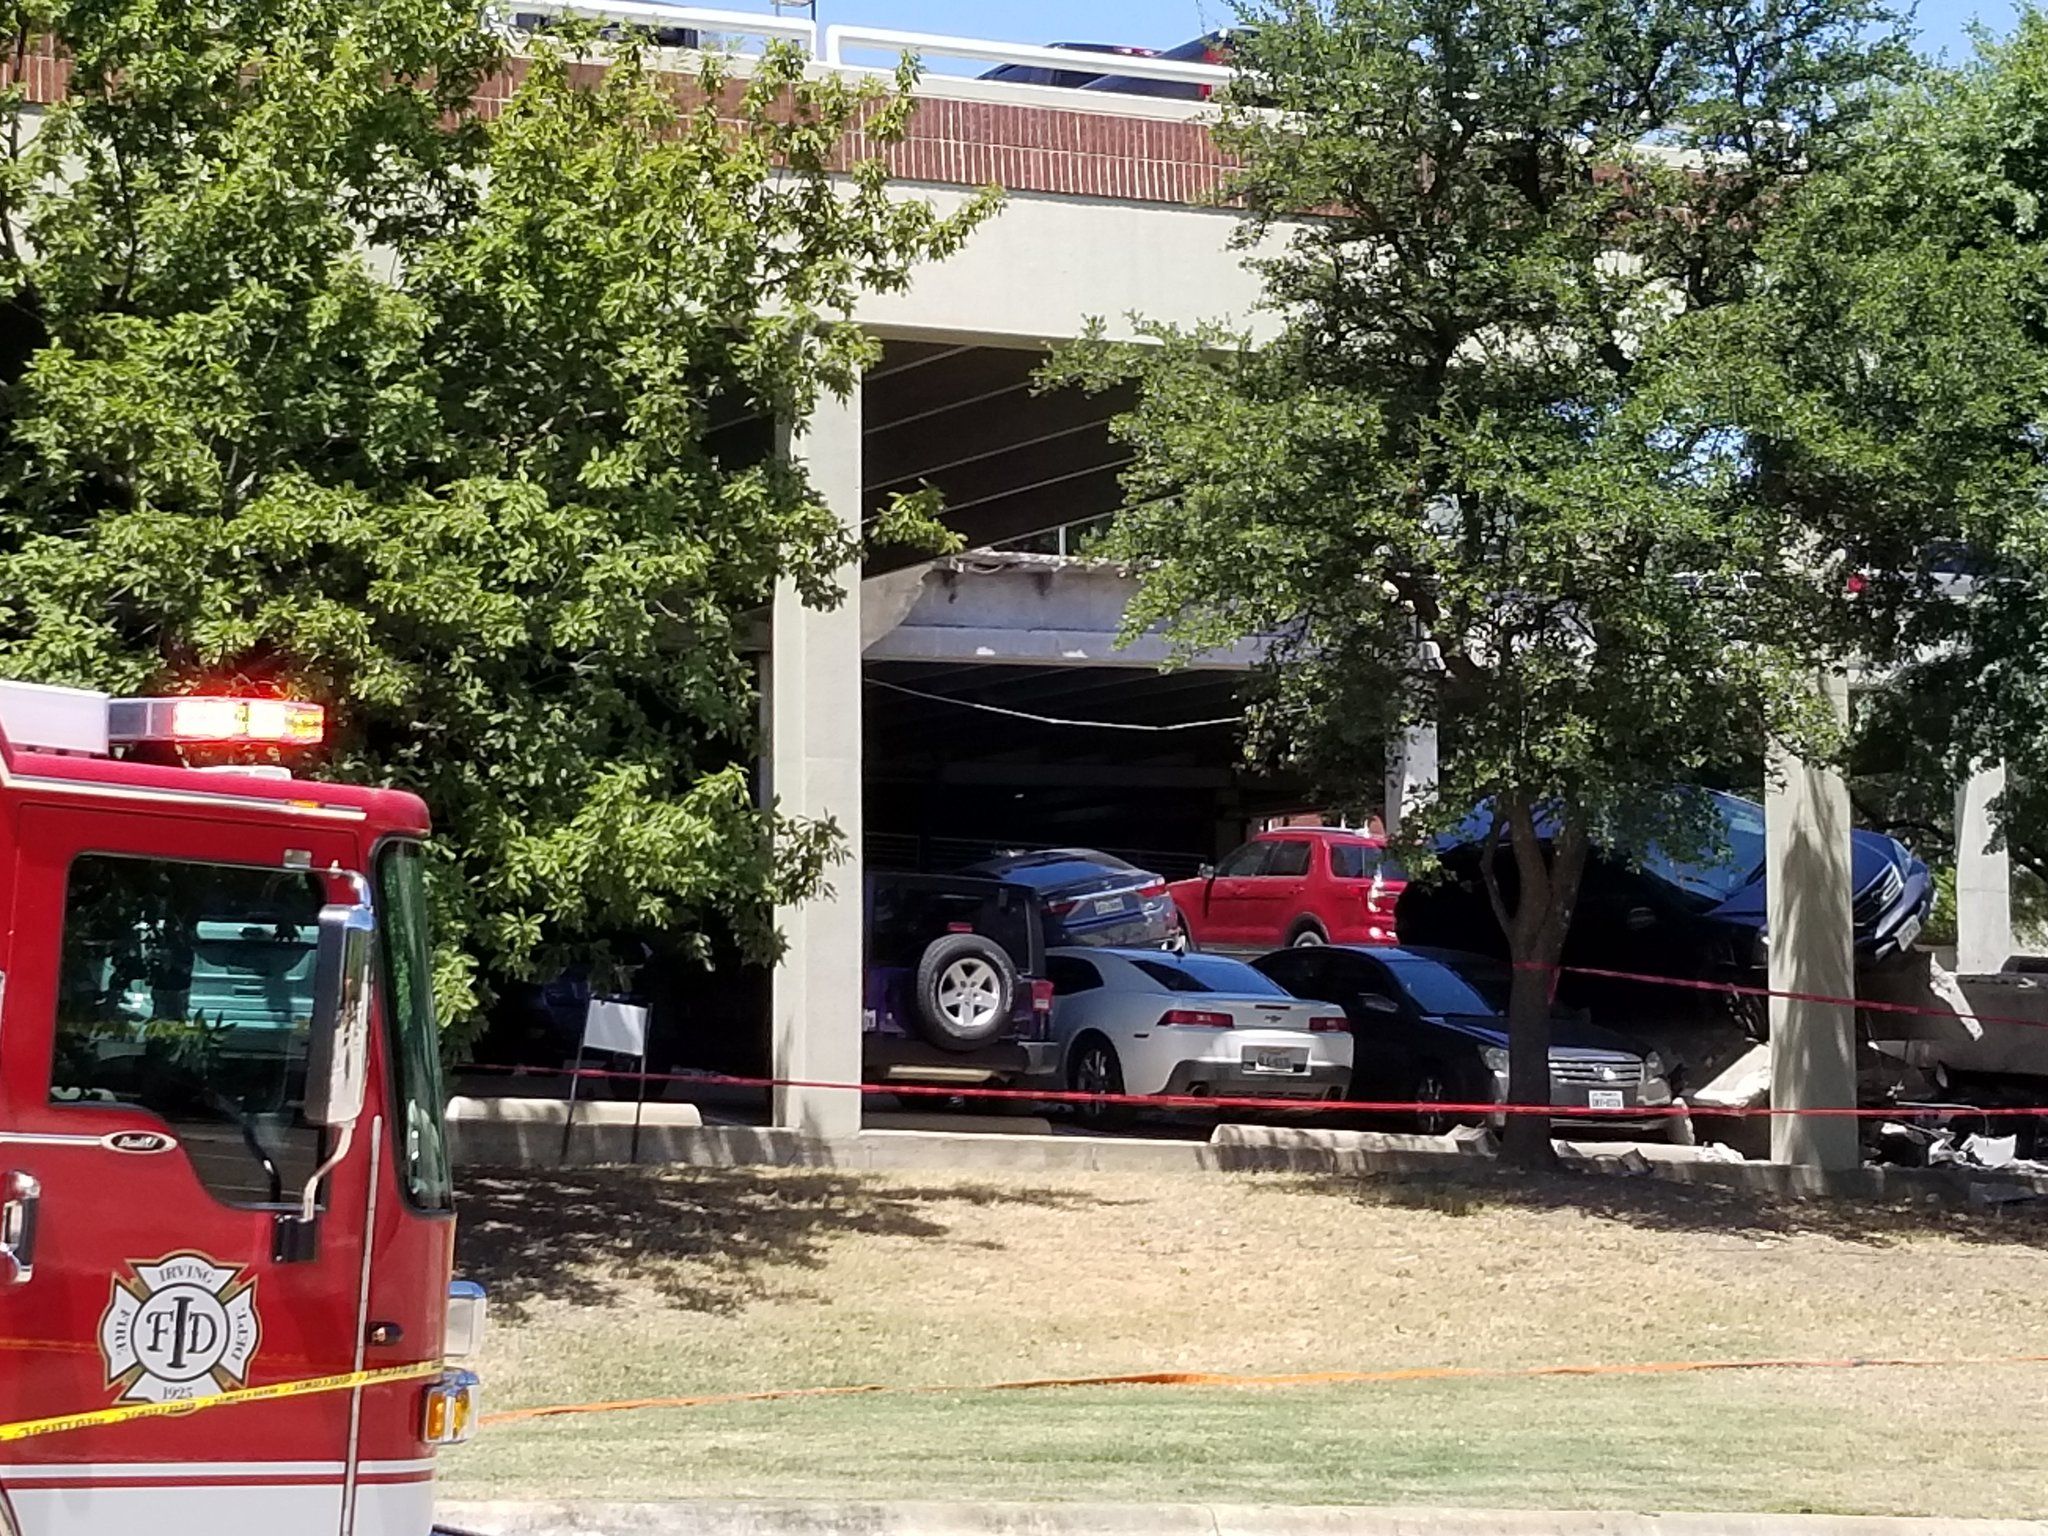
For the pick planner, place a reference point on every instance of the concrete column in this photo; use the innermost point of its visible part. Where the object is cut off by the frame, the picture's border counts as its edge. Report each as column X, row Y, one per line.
column 1983, row 879
column 1411, row 774
column 814, row 743
column 1813, row 950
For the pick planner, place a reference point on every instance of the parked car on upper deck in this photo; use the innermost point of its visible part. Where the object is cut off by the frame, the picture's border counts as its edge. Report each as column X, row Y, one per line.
column 1064, row 79
column 1089, row 897
column 1646, row 911
column 1292, row 885
column 1211, row 48
column 1142, row 1021
column 1430, row 1026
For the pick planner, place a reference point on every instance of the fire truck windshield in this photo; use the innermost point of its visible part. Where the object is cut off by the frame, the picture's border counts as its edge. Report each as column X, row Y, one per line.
column 414, row 1040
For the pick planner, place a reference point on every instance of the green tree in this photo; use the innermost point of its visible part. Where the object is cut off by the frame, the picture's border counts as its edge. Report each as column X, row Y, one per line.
column 329, row 374
column 1466, row 477
column 1893, row 365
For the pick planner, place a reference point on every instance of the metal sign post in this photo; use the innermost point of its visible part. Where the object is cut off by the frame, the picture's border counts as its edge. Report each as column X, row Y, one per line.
column 612, row 1025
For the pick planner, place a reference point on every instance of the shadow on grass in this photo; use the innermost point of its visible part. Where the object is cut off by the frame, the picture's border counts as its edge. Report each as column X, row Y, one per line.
column 706, row 1239
column 1660, row 1205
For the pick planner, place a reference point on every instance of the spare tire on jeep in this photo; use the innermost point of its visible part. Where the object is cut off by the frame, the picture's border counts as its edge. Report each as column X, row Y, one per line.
column 966, row 987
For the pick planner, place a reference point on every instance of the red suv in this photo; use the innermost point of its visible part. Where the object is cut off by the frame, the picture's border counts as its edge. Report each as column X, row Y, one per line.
column 1293, row 885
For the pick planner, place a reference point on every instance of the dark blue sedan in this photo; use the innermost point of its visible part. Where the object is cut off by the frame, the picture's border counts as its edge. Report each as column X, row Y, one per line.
column 1090, row 897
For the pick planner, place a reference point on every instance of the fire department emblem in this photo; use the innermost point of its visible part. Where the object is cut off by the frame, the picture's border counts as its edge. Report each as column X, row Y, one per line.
column 180, row 1328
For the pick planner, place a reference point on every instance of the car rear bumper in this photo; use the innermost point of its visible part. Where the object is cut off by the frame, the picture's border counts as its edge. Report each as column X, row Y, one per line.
column 1230, row 1080
column 901, row 1059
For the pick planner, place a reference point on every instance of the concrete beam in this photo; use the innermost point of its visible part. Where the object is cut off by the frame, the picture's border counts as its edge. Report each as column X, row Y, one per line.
column 1813, row 951
column 1983, row 879
column 1042, row 610
column 814, row 771
column 1047, row 648
column 1047, row 265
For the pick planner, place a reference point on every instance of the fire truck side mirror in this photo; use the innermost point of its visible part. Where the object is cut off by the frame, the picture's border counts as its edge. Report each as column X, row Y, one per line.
column 338, row 1055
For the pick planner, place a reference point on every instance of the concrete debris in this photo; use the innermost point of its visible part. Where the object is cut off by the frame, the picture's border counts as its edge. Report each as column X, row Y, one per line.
column 1942, row 982
column 1992, row 1151
column 1473, row 1140
column 1744, row 1084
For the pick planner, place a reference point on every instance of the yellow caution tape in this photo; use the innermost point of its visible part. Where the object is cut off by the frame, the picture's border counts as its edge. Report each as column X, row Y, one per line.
column 27, row 1429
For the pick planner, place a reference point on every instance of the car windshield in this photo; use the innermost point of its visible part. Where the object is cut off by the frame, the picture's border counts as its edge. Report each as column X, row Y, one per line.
column 1742, row 833
column 1471, row 987
column 1209, row 973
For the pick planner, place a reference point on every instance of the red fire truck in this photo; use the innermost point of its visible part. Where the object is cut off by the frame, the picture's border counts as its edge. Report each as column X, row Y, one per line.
column 225, row 1220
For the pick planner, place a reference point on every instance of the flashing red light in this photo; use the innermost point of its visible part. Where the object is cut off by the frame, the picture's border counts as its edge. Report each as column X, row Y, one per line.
column 206, row 720
column 280, row 722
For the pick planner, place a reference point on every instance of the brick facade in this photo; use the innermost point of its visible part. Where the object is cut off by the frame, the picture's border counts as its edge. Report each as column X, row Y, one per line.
column 1020, row 148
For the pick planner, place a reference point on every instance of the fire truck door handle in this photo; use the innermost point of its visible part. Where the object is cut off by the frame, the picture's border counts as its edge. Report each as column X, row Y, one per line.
column 23, row 1197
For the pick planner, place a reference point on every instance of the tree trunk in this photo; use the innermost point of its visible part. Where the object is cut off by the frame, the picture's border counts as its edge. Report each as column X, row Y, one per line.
column 1548, row 886
column 1525, row 1141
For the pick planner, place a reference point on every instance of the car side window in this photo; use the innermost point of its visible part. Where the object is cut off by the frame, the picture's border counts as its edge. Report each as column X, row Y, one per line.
column 1359, row 977
column 1248, row 860
column 1304, row 972
column 1289, row 857
column 1069, row 976
column 1354, row 861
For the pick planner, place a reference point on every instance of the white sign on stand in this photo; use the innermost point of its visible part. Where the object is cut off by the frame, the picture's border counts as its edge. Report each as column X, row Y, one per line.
column 610, row 1025
column 617, row 1028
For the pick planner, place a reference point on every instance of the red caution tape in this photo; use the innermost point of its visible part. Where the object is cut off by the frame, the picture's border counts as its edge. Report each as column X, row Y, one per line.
column 1489, row 1108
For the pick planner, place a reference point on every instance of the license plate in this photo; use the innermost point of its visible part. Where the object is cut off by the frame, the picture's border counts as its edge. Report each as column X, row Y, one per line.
column 1606, row 1098
column 1276, row 1060
column 1108, row 905
column 1909, row 930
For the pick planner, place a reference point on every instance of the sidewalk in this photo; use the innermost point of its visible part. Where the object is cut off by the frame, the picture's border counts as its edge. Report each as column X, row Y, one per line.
column 827, row 1518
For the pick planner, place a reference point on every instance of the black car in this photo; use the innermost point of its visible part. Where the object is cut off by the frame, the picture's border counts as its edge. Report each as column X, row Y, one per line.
column 1090, row 897
column 1213, row 48
column 1430, row 1026
column 1063, row 79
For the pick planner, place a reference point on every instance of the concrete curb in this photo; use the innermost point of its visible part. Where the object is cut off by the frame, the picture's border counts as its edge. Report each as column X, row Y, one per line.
column 533, row 1139
column 837, row 1518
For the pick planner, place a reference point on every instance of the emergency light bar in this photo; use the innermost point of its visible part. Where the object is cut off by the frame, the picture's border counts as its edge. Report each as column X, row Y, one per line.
column 77, row 720
column 199, row 719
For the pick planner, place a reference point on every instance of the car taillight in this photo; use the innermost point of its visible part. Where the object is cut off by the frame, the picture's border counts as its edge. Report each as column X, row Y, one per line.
column 1041, row 995
column 1061, row 908
column 1156, row 888
column 1195, row 1018
column 1328, row 1024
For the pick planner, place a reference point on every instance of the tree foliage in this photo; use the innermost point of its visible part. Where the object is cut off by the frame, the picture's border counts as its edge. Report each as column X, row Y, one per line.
column 1466, row 472
column 1894, row 365
column 334, row 376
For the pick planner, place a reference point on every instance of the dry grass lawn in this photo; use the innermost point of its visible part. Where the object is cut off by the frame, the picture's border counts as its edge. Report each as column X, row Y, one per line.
column 635, row 1283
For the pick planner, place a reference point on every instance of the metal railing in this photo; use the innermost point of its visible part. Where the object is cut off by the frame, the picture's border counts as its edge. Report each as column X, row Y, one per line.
column 841, row 39
column 832, row 49
column 723, row 26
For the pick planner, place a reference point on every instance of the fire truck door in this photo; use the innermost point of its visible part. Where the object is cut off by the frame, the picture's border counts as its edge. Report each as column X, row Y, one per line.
column 152, row 1073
